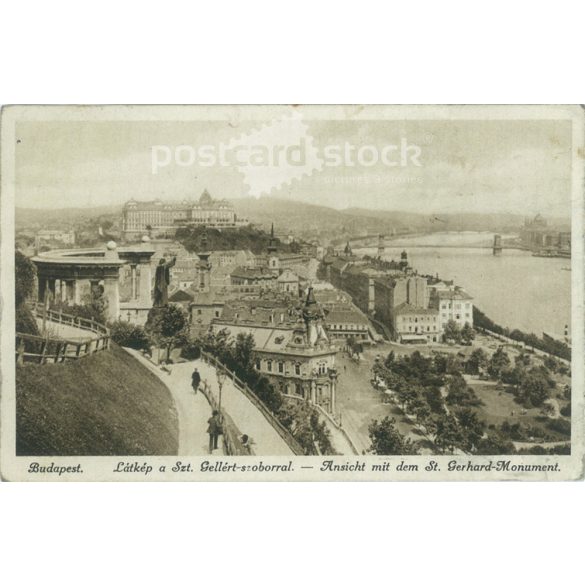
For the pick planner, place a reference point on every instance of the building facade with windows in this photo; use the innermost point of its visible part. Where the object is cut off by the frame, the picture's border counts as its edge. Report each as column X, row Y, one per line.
column 412, row 324
column 162, row 219
column 291, row 346
column 452, row 304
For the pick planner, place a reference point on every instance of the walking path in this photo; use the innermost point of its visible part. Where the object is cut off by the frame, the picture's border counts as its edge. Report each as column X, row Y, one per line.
column 244, row 413
column 65, row 331
column 193, row 410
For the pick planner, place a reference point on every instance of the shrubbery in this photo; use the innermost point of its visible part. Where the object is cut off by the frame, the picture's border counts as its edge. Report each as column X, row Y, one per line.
column 129, row 335
column 560, row 425
column 558, row 348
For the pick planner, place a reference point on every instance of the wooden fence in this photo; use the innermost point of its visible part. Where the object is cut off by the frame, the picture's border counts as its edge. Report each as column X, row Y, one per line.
column 45, row 349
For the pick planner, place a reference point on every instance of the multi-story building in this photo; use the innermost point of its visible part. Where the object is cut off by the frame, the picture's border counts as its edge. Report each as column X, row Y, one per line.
column 162, row 219
column 344, row 321
column 413, row 324
column 291, row 346
column 411, row 308
column 242, row 275
column 544, row 239
column 453, row 304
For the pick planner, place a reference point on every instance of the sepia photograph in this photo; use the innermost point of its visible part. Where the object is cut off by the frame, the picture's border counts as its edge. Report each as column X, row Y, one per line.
column 216, row 284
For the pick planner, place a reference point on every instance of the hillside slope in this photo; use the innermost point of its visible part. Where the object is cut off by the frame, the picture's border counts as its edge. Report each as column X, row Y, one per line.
column 306, row 218
column 104, row 404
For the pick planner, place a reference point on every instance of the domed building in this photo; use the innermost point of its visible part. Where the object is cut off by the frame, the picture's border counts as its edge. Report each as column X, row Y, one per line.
column 161, row 219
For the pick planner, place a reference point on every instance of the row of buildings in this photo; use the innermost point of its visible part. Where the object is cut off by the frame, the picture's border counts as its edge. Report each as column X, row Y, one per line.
column 162, row 219
column 546, row 240
column 409, row 307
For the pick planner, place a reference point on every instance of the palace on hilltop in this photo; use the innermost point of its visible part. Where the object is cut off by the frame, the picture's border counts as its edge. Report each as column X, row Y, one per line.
column 161, row 219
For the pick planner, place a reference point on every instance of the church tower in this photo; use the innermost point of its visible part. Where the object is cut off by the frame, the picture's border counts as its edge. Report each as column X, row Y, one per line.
column 273, row 259
column 381, row 247
column 204, row 265
column 347, row 250
column 313, row 317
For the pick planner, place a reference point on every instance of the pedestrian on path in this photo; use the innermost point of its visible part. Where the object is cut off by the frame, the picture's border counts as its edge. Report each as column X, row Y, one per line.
column 247, row 443
column 195, row 380
column 214, row 429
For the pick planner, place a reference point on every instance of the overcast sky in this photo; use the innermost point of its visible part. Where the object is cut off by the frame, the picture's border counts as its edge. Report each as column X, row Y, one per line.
column 465, row 166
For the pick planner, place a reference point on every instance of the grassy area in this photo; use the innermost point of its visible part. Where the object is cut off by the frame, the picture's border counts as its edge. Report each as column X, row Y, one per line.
column 104, row 404
column 499, row 407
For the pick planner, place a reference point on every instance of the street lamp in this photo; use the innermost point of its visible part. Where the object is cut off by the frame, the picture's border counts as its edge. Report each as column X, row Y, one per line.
column 220, row 381
column 332, row 373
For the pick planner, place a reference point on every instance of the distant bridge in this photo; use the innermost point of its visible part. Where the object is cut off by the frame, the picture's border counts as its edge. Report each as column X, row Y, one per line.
column 486, row 246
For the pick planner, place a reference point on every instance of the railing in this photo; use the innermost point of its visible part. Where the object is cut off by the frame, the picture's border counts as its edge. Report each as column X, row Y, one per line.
column 61, row 318
column 49, row 349
column 333, row 420
column 232, row 442
column 42, row 350
column 268, row 415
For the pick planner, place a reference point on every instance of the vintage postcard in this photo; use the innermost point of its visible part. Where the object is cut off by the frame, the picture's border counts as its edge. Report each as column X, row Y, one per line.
column 293, row 293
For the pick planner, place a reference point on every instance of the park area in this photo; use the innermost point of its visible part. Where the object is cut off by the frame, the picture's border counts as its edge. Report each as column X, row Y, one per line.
column 501, row 409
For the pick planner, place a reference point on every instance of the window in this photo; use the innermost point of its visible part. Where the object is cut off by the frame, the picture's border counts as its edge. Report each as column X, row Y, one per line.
column 297, row 369
column 217, row 313
column 199, row 312
column 269, row 365
column 258, row 364
column 281, row 367
column 322, row 368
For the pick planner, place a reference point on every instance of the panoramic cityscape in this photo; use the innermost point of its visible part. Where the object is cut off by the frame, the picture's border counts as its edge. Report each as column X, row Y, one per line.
column 213, row 325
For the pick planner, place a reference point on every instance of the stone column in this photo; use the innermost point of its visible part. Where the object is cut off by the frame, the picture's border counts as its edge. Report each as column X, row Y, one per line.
column 52, row 289
column 133, row 280
column 333, row 393
column 71, row 291
column 145, row 285
column 112, row 293
column 42, row 281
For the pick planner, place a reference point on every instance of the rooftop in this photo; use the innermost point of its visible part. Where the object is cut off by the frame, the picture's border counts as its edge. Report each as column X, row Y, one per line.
column 408, row 309
column 455, row 294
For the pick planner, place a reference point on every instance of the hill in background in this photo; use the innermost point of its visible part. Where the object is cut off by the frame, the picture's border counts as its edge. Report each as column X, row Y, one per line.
column 304, row 220
column 103, row 404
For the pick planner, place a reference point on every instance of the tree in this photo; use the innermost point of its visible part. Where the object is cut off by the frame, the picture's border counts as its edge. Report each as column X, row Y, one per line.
column 498, row 363
column 494, row 444
column 522, row 359
column 167, row 326
column 387, row 440
column 24, row 280
column 478, row 361
column 471, row 428
column 243, row 350
column 535, row 386
column 447, row 434
column 551, row 363
column 452, row 332
column 24, row 277
column 457, row 391
column 467, row 334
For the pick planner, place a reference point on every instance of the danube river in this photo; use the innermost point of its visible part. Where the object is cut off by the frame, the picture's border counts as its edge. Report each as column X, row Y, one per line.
column 516, row 289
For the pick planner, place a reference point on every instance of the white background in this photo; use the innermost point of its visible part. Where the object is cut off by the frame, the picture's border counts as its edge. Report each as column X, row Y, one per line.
column 301, row 52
